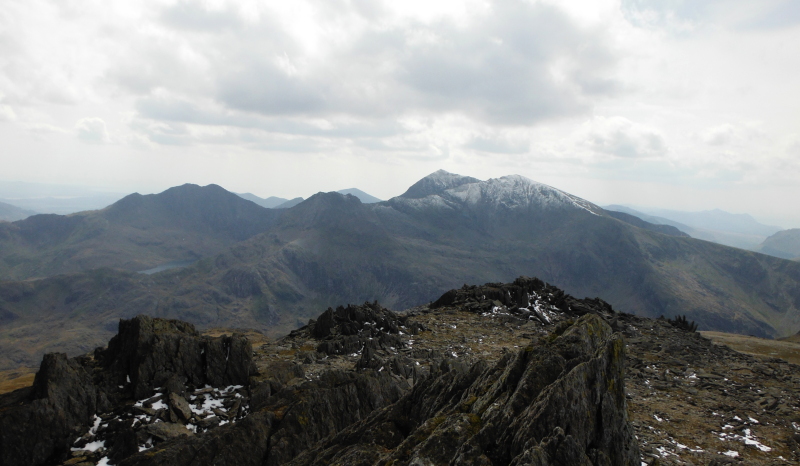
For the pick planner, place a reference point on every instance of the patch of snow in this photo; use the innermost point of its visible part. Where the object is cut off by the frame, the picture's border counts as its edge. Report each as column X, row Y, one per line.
column 731, row 453
column 95, row 424
column 92, row 446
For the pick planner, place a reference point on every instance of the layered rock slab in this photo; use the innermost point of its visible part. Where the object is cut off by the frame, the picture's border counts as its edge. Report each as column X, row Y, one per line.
column 559, row 402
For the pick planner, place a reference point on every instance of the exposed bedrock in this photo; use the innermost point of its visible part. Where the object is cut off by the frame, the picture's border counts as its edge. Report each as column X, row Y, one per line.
column 148, row 351
column 561, row 402
column 38, row 425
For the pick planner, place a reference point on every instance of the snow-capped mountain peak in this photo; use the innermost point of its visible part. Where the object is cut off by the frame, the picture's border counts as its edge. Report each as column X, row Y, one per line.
column 436, row 183
column 518, row 191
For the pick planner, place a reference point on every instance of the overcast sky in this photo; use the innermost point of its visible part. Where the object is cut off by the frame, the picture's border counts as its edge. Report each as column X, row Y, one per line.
column 676, row 104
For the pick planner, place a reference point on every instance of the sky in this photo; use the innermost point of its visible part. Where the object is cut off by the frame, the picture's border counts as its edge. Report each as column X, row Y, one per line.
column 686, row 105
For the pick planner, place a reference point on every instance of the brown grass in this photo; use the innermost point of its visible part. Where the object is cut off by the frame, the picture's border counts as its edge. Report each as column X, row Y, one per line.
column 784, row 349
column 17, row 378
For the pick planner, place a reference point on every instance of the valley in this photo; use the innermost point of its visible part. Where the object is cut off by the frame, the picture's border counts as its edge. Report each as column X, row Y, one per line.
column 272, row 269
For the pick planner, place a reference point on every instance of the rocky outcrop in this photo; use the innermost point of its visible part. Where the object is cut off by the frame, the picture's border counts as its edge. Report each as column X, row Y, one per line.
column 148, row 352
column 561, row 402
column 41, row 424
column 38, row 425
column 359, row 385
column 353, row 329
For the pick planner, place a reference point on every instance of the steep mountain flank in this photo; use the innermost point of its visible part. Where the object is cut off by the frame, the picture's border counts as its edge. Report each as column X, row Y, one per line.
column 137, row 232
column 405, row 252
column 785, row 244
column 638, row 222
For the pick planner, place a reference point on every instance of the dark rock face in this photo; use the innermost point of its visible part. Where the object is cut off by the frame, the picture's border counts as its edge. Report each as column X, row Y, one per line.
column 352, row 329
column 558, row 403
column 290, row 421
column 40, row 427
column 148, row 352
column 521, row 293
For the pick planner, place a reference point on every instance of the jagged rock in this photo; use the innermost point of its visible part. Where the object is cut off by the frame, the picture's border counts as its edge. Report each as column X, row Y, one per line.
column 516, row 412
column 243, row 444
column 484, row 297
column 180, row 406
column 291, row 421
column 38, row 425
column 41, row 424
column 150, row 352
column 352, row 320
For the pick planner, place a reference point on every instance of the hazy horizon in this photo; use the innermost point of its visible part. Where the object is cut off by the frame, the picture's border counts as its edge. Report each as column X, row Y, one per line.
column 678, row 105
column 85, row 192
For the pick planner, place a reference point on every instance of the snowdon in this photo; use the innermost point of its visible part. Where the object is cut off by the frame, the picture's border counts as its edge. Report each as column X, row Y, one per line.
column 272, row 269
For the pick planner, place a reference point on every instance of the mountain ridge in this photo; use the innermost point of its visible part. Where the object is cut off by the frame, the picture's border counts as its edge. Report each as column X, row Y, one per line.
column 137, row 232
column 333, row 248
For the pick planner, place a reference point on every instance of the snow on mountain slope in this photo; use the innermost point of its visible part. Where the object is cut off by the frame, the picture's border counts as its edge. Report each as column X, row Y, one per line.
column 436, row 183
column 515, row 191
column 508, row 192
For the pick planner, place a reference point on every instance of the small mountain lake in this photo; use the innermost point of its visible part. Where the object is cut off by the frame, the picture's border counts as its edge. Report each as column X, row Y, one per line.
column 167, row 266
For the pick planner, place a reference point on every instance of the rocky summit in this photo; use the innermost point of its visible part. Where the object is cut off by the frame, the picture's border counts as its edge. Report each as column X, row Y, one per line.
column 501, row 374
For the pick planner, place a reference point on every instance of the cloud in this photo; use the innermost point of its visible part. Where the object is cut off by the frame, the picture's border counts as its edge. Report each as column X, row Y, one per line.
column 733, row 135
column 512, row 63
column 92, row 130
column 696, row 15
column 498, row 145
column 620, row 137
column 7, row 113
column 195, row 16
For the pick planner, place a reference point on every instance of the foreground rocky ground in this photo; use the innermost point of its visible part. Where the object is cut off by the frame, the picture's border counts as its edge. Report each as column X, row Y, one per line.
column 498, row 374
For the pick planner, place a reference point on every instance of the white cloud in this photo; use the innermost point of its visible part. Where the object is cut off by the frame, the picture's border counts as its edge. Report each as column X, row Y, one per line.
column 662, row 92
column 7, row 113
column 92, row 130
column 620, row 137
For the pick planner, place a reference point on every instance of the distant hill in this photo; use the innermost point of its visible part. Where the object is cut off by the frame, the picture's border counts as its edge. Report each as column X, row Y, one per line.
column 638, row 222
column 290, row 203
column 269, row 203
column 136, row 233
column 47, row 198
column 333, row 249
column 718, row 220
column 361, row 195
column 10, row 213
column 785, row 244
column 736, row 230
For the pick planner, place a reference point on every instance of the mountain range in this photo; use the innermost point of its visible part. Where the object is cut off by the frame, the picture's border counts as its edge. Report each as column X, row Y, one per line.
column 10, row 213
column 272, row 269
column 274, row 202
column 737, row 230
